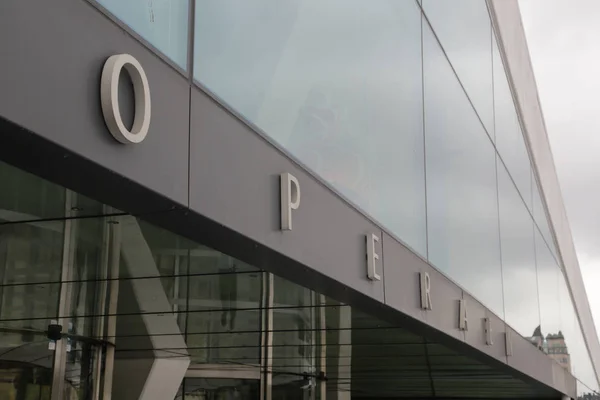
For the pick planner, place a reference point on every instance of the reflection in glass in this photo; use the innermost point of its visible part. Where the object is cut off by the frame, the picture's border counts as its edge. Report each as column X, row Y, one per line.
column 462, row 204
column 293, row 336
column 217, row 389
column 25, row 197
column 30, row 266
column 509, row 136
column 540, row 217
column 551, row 328
column 224, row 318
column 163, row 23
column 465, row 32
column 586, row 393
column 521, row 304
column 335, row 82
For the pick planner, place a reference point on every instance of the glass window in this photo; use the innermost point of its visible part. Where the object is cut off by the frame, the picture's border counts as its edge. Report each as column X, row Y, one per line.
column 462, row 198
column 580, row 362
column 163, row 23
column 509, row 136
column 521, row 304
column 540, row 217
column 25, row 197
column 210, row 388
column 294, row 334
column 464, row 29
column 335, row 82
column 548, row 274
column 224, row 320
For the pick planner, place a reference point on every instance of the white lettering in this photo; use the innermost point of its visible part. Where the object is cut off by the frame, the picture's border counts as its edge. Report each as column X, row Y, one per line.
column 463, row 324
column 425, row 291
column 372, row 257
column 290, row 199
column 488, row 332
column 109, row 98
column 508, row 339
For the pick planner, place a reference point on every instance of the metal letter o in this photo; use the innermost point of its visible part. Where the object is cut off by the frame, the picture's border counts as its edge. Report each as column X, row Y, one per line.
column 109, row 98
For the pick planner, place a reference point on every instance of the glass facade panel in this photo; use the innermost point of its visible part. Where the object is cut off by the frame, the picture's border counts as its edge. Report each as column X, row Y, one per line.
column 217, row 389
column 540, row 217
column 465, row 31
column 509, row 136
column 462, row 204
column 30, row 265
column 294, row 334
column 549, row 276
column 581, row 365
column 521, row 305
column 224, row 318
column 163, row 23
column 335, row 82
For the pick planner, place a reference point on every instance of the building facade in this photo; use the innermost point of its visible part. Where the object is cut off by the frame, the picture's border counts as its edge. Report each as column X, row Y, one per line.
column 333, row 199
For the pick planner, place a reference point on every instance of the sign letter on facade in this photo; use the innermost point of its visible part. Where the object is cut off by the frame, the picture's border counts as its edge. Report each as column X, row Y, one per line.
column 508, row 341
column 372, row 257
column 462, row 315
column 425, row 291
column 109, row 98
column 290, row 199
column 488, row 331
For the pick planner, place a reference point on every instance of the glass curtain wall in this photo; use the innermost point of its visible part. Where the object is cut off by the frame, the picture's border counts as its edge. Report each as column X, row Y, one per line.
column 53, row 251
column 402, row 107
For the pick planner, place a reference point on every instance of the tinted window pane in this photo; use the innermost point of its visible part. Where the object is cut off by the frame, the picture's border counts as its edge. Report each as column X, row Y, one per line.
column 294, row 335
column 465, row 32
column 581, row 365
column 163, row 23
column 335, row 82
column 539, row 214
column 518, row 258
column 509, row 137
column 461, row 184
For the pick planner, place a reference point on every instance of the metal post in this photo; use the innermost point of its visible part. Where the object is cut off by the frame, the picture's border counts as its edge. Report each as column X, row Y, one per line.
column 64, row 304
column 323, row 345
column 111, row 328
column 266, row 382
column 100, row 309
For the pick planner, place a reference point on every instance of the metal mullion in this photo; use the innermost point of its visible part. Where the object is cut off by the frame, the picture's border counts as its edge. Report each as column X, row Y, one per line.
column 101, row 306
column 64, row 304
column 266, row 381
column 323, row 346
column 111, row 328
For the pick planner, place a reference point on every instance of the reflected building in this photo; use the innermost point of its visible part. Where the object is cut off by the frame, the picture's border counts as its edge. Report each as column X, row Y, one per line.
column 281, row 200
column 554, row 345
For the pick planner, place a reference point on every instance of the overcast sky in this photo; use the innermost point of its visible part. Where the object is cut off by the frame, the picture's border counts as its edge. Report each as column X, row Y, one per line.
column 564, row 42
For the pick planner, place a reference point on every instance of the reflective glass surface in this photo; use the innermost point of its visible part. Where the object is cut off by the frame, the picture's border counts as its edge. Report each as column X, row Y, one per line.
column 335, row 82
column 540, row 217
column 521, row 303
column 465, row 32
column 163, row 23
column 462, row 207
column 509, row 136
column 157, row 295
column 293, row 332
column 217, row 389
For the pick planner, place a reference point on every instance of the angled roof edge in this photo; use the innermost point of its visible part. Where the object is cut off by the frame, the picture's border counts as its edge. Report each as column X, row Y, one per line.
column 506, row 18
